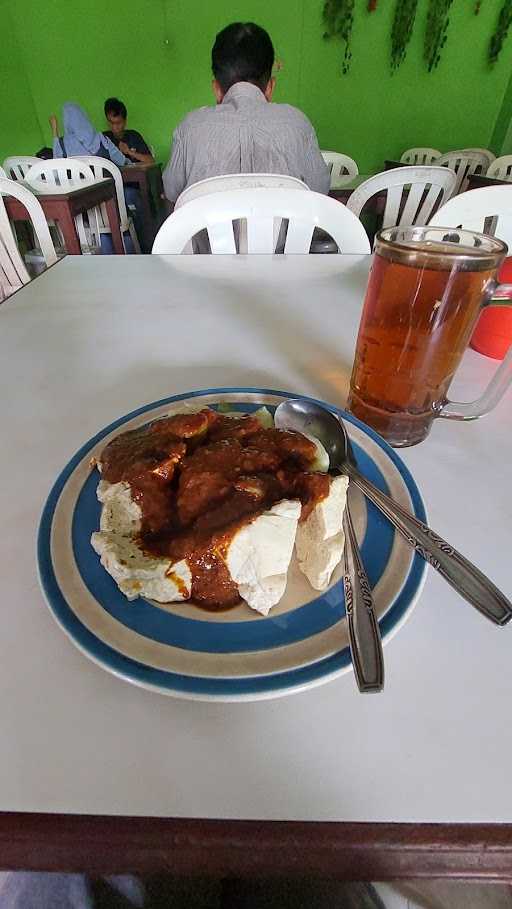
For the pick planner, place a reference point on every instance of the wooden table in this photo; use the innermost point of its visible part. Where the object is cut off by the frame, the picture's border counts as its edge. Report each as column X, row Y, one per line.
column 390, row 165
column 478, row 181
column 475, row 181
column 63, row 208
column 148, row 180
column 100, row 775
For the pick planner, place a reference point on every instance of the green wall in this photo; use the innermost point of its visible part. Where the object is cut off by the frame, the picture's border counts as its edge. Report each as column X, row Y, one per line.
column 379, row 114
column 155, row 55
column 20, row 131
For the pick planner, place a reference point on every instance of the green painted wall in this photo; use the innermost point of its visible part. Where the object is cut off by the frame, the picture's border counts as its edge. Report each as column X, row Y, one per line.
column 20, row 131
column 502, row 136
column 155, row 55
column 379, row 114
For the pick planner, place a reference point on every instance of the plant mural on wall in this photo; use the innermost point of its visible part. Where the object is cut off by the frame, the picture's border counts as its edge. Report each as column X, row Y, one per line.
column 436, row 31
column 403, row 21
column 338, row 17
column 504, row 21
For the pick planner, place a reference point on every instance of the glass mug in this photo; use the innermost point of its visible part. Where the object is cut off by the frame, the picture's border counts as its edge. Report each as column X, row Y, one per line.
column 426, row 289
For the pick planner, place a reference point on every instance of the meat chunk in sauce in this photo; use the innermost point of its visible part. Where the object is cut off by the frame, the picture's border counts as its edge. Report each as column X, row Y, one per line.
column 240, row 428
column 183, row 425
column 199, row 477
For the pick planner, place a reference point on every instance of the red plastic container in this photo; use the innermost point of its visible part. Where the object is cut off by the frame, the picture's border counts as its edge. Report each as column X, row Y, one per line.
column 493, row 333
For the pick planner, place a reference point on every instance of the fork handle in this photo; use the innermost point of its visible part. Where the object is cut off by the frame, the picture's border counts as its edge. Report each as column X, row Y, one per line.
column 363, row 628
column 463, row 576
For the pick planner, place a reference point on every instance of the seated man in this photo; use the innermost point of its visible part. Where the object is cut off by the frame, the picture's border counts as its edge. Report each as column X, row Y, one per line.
column 244, row 133
column 128, row 141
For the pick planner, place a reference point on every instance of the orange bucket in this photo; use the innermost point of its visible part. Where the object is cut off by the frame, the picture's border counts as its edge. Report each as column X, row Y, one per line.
column 493, row 333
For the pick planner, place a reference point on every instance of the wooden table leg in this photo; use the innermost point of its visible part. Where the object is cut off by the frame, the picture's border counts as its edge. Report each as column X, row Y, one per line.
column 146, row 216
column 69, row 231
column 113, row 220
column 160, row 213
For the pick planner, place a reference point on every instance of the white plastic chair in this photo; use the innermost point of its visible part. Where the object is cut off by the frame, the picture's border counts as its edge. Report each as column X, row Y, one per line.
column 13, row 272
column 420, row 156
column 239, row 181
column 98, row 167
column 340, row 167
column 61, row 175
column 501, row 168
column 17, row 166
column 487, row 210
column 304, row 211
column 483, row 151
column 464, row 162
column 3, row 174
column 58, row 175
column 411, row 193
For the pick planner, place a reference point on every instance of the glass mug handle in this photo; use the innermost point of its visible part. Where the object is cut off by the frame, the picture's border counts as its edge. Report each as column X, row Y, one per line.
column 454, row 410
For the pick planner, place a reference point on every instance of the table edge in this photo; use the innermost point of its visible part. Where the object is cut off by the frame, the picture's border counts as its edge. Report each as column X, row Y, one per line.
column 99, row 844
column 76, row 192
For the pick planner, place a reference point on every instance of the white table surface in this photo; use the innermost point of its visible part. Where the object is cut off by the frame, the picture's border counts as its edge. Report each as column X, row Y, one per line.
column 94, row 338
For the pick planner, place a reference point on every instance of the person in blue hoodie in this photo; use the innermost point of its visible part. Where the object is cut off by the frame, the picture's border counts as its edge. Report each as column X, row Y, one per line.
column 80, row 138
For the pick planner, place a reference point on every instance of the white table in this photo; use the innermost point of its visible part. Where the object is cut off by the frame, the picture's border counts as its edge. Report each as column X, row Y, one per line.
column 94, row 338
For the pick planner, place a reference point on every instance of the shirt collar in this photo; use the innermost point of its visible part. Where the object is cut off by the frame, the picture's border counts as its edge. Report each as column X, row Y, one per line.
column 244, row 90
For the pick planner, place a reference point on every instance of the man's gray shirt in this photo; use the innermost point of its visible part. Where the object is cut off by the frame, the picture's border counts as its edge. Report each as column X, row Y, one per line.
column 245, row 134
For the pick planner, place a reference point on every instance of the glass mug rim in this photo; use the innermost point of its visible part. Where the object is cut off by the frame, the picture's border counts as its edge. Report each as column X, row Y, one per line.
column 410, row 238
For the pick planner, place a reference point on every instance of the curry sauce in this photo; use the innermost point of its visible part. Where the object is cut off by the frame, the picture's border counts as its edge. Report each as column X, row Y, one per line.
column 198, row 478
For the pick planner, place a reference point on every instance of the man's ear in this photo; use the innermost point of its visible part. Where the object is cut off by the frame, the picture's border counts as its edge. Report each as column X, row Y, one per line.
column 269, row 91
column 217, row 91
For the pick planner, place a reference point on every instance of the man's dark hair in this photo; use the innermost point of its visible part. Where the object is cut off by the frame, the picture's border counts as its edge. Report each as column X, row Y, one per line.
column 116, row 107
column 243, row 52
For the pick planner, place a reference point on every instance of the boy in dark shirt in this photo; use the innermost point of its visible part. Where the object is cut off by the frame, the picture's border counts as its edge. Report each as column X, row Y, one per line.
column 128, row 141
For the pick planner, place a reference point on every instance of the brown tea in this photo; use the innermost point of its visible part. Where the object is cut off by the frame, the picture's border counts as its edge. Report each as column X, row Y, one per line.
column 418, row 317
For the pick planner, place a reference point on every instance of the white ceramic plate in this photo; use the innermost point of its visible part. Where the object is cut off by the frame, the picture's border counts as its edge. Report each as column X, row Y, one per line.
column 234, row 655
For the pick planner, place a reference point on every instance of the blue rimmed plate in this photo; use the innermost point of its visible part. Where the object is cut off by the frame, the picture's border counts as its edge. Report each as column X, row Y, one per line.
column 236, row 655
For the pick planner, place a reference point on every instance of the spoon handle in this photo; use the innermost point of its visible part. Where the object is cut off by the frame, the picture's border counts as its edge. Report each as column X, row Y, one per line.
column 364, row 633
column 467, row 580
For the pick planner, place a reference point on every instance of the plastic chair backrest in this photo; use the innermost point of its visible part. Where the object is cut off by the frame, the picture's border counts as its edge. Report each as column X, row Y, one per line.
column 420, row 156
column 340, row 166
column 482, row 151
column 487, row 210
column 3, row 174
column 411, row 193
column 463, row 162
column 11, row 261
column 304, row 211
column 501, row 168
column 59, row 175
column 237, row 181
column 17, row 166
column 98, row 166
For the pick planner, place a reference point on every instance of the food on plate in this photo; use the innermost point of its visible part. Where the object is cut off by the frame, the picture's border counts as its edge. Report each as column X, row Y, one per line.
column 320, row 539
column 208, row 506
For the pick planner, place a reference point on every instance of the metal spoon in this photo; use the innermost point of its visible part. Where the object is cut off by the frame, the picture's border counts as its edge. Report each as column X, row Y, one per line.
column 363, row 627
column 464, row 577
